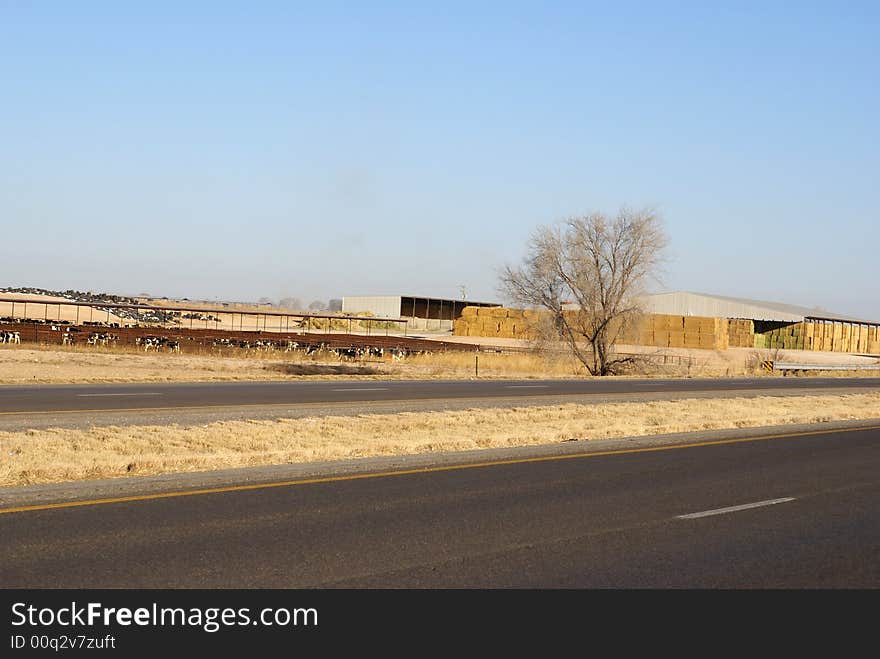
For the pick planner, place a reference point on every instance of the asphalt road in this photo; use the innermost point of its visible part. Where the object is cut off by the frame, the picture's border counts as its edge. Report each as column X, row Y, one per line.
column 784, row 512
column 107, row 397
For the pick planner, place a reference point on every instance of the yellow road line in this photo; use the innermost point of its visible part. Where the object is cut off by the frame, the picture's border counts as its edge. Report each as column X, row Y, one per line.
column 423, row 470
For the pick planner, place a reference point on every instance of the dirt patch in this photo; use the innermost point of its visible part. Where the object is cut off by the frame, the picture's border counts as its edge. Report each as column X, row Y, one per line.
column 324, row 369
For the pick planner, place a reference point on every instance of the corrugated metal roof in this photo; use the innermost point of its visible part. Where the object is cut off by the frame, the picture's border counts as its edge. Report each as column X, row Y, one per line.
column 427, row 297
column 722, row 306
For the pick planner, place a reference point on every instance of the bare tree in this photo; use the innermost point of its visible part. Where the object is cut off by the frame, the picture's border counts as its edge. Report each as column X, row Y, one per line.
column 588, row 273
column 290, row 303
column 317, row 305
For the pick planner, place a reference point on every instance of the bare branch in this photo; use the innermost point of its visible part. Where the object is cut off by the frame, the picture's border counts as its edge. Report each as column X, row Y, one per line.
column 588, row 273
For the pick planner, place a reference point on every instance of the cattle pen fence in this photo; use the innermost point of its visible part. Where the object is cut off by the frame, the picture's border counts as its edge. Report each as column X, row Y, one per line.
column 68, row 322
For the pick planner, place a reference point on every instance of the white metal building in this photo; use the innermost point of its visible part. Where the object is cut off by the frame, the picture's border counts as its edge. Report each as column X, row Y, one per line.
column 683, row 303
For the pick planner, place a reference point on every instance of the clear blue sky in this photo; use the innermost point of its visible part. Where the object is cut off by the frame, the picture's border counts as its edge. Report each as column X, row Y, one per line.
column 240, row 150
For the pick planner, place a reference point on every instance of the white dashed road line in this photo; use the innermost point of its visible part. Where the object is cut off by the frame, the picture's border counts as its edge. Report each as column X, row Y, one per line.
column 526, row 386
column 145, row 393
column 733, row 509
column 364, row 389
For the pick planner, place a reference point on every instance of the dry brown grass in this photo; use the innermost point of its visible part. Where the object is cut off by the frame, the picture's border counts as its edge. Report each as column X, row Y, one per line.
column 30, row 363
column 495, row 364
column 91, row 364
column 54, row 455
column 20, row 365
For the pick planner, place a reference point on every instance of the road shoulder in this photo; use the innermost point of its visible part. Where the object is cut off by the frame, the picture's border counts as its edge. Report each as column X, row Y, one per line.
column 264, row 476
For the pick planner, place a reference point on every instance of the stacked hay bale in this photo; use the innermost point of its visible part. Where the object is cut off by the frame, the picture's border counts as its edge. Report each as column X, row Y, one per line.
column 693, row 329
column 670, row 331
column 639, row 331
column 821, row 336
column 658, row 330
column 722, row 334
column 760, row 341
column 855, row 341
column 851, row 337
column 873, row 340
column 795, row 338
column 494, row 322
column 858, row 338
column 832, row 337
column 862, row 342
column 462, row 325
column 468, row 324
column 768, row 339
column 510, row 323
column 491, row 320
column 741, row 333
column 846, row 338
column 789, row 337
column 644, row 332
column 667, row 331
column 809, row 333
column 705, row 333
column 836, row 337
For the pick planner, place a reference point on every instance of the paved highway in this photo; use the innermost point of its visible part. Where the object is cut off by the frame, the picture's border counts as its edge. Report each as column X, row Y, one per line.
column 107, row 397
column 784, row 512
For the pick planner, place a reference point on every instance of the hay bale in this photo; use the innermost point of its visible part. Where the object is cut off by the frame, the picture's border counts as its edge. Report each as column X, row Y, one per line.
column 676, row 339
column 470, row 312
column 507, row 326
column 707, row 342
column 668, row 322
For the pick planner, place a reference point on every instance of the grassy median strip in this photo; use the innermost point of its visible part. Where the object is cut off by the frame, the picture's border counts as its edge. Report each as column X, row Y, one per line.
column 56, row 455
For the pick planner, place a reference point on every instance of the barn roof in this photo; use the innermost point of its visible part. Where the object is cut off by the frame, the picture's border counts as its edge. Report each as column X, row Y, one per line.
column 687, row 303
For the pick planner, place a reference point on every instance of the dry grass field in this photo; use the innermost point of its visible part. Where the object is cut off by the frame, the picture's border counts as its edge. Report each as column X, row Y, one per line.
column 90, row 364
column 57, row 455
column 22, row 364
column 30, row 363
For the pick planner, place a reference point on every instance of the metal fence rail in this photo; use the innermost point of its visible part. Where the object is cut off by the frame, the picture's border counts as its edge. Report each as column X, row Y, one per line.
column 59, row 334
column 796, row 366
